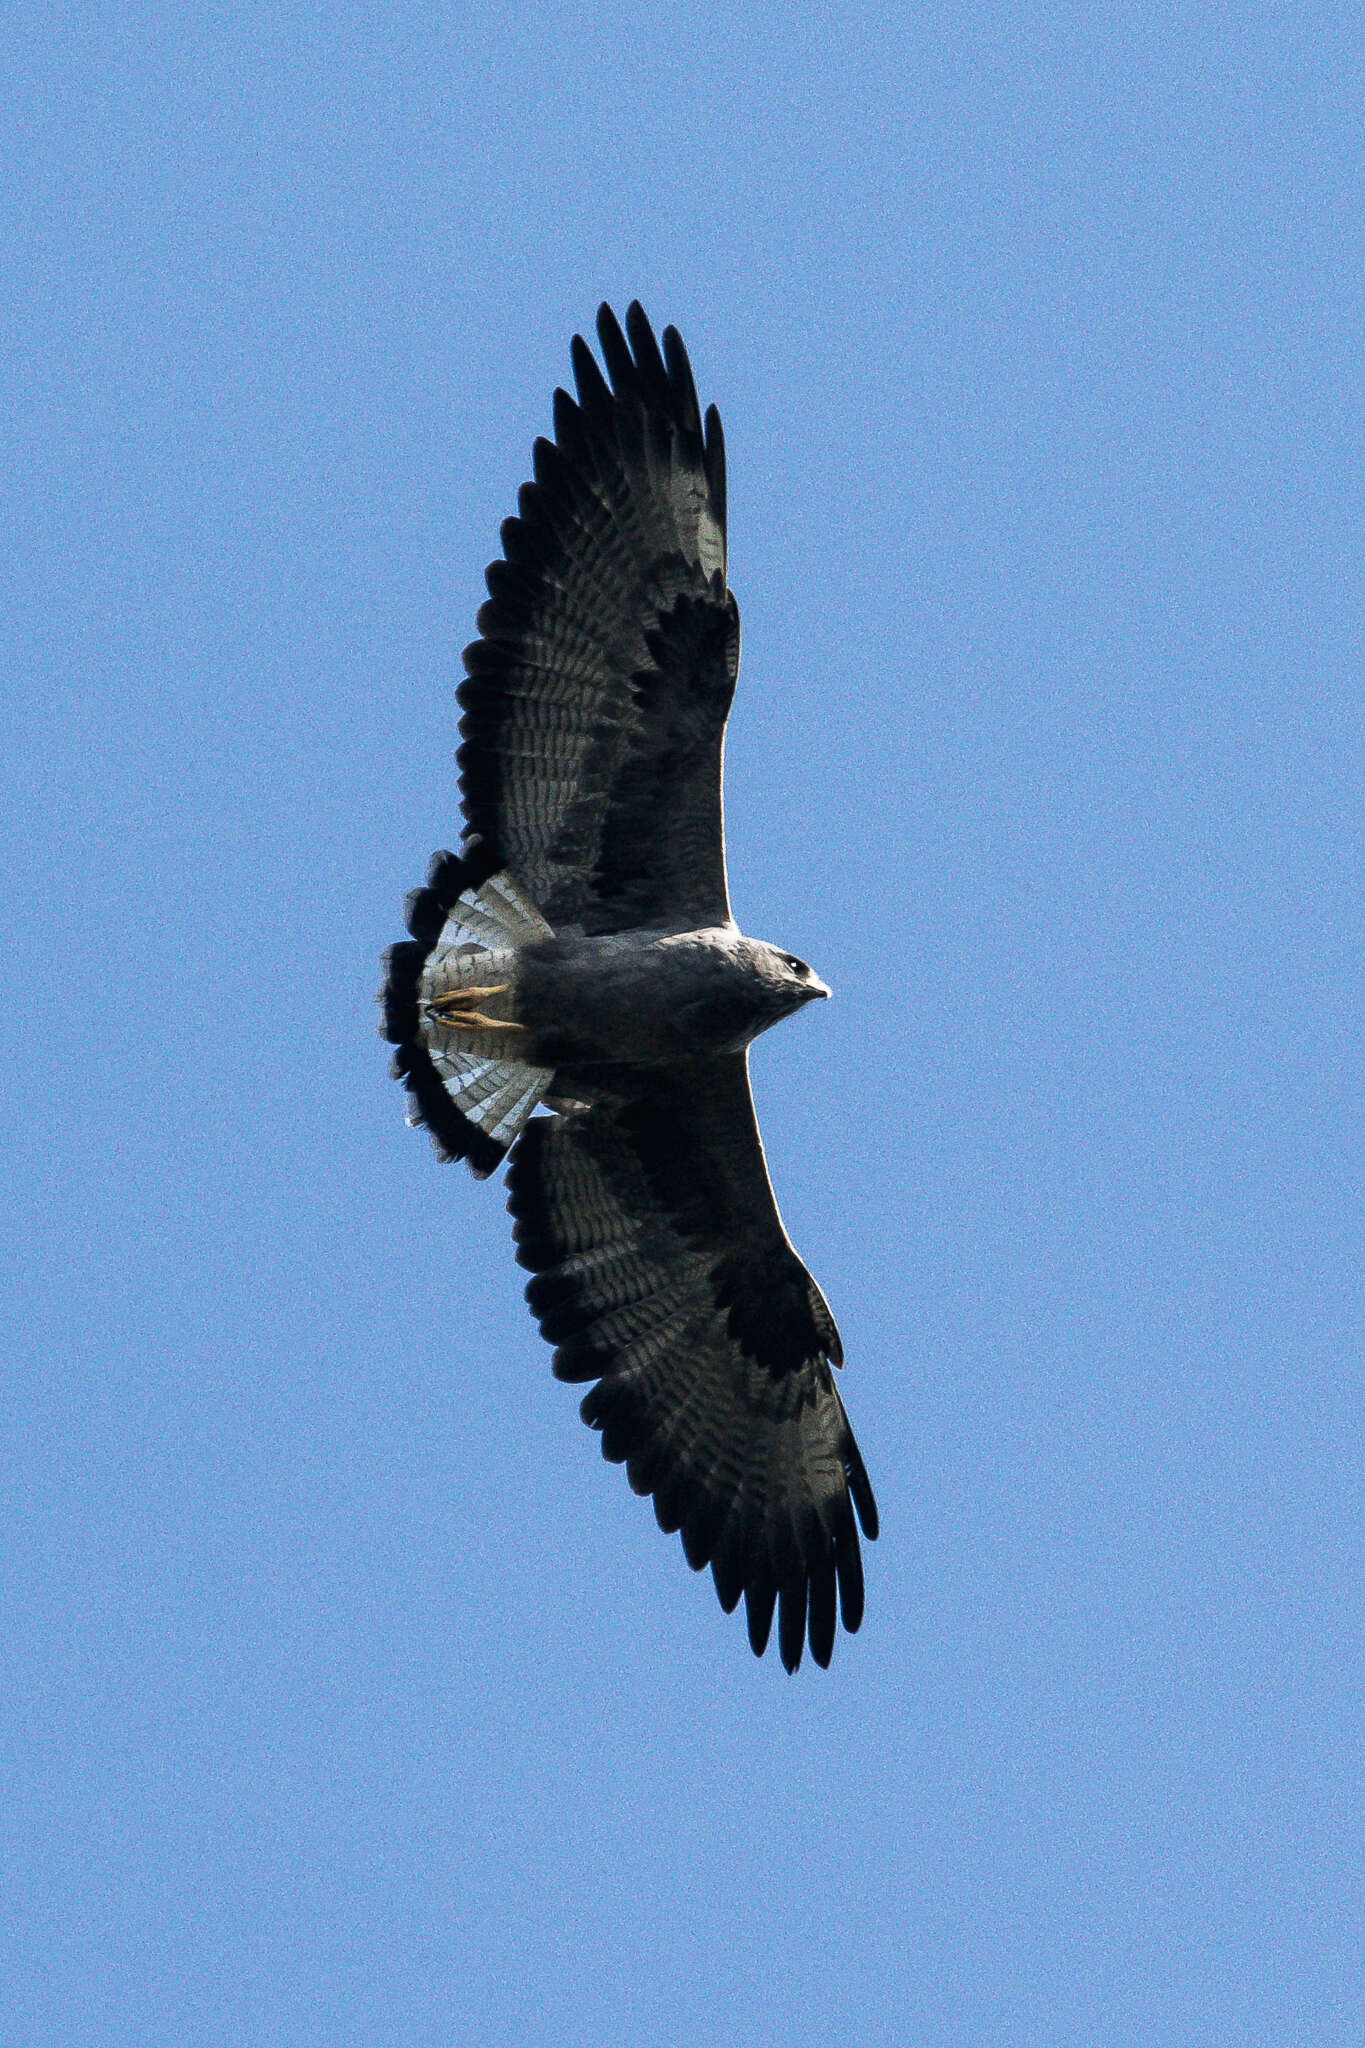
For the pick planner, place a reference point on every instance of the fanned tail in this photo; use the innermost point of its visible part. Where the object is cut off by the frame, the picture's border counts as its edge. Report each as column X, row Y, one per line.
column 466, row 925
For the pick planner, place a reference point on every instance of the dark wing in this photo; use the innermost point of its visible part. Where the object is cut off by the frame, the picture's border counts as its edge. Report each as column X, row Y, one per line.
column 598, row 691
column 663, row 1273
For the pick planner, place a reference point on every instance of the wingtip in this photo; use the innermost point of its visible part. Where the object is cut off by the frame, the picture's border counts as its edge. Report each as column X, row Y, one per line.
column 860, row 1486
column 760, row 1598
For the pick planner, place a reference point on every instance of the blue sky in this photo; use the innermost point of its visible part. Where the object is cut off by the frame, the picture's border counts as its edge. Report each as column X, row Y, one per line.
column 350, row 1698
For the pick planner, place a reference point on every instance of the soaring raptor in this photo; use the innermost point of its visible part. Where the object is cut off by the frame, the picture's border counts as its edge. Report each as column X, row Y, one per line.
column 578, row 953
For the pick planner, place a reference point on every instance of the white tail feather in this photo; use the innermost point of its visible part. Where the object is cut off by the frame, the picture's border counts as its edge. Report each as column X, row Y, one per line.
column 494, row 916
column 478, row 944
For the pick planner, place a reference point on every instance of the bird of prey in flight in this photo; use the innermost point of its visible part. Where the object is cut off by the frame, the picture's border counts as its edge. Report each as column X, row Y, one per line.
column 578, row 955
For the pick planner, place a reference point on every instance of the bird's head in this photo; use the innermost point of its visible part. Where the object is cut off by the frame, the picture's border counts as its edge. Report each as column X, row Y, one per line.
column 790, row 980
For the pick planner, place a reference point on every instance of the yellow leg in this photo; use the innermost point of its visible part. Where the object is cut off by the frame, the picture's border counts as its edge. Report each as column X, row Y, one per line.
column 456, row 1010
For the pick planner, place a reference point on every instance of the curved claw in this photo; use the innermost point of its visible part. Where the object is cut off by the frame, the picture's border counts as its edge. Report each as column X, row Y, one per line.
column 457, row 1011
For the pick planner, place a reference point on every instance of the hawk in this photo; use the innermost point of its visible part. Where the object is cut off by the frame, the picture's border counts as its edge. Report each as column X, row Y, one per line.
column 578, row 955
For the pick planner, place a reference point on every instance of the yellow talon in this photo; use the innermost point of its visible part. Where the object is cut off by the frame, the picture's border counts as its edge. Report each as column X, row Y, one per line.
column 455, row 1010
column 474, row 1020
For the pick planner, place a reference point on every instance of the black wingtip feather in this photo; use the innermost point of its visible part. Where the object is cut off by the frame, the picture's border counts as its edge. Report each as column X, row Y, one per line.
column 848, row 1569
column 760, row 1598
column 615, row 354
column 648, row 360
column 697, row 1541
column 729, row 1580
column 594, row 394
column 823, row 1612
column 715, row 462
column 668, row 1512
column 791, row 1622
column 569, row 435
column 576, row 1364
column 683, row 385
column 860, row 1486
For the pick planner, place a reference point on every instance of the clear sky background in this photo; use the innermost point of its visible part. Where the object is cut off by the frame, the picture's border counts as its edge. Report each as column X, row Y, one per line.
column 349, row 1697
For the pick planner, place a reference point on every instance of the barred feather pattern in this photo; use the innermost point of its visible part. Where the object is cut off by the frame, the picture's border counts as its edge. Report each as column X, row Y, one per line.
column 596, row 696
column 751, row 1459
column 466, row 925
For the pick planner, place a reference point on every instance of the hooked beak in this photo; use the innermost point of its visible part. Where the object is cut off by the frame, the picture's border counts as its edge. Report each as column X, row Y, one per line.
column 816, row 987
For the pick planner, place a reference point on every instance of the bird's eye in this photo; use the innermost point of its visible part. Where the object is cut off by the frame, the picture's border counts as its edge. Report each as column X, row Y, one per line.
column 796, row 966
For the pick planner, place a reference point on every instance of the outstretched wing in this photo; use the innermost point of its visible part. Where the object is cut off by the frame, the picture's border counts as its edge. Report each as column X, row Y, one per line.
column 597, row 694
column 663, row 1273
